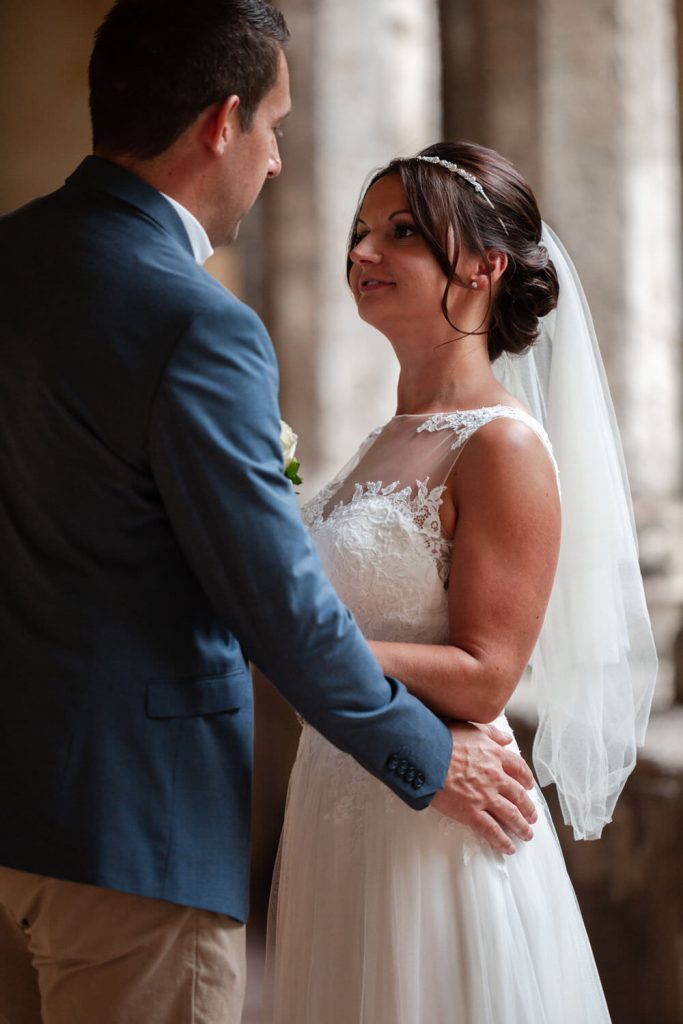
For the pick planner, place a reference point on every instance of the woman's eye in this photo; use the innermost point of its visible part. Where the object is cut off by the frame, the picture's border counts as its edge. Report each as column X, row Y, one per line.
column 404, row 230
column 356, row 238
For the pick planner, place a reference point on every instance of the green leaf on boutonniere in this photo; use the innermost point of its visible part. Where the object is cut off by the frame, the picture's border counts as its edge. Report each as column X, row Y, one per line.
column 292, row 472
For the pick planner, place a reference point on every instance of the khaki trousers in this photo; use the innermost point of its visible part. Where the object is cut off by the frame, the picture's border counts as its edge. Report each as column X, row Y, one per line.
column 79, row 954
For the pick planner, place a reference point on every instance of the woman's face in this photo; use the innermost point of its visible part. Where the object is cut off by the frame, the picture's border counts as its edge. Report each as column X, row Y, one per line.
column 394, row 276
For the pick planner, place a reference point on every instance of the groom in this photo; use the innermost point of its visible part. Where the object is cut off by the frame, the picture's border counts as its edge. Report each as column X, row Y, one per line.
column 151, row 546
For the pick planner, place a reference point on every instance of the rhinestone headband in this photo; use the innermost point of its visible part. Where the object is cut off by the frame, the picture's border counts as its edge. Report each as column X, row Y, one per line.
column 457, row 169
column 466, row 176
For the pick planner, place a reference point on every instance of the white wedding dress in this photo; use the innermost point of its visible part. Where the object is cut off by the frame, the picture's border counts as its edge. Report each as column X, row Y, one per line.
column 385, row 915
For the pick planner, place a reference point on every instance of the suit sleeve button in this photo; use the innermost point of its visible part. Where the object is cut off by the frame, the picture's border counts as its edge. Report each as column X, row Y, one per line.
column 410, row 774
column 392, row 762
column 403, row 767
column 418, row 781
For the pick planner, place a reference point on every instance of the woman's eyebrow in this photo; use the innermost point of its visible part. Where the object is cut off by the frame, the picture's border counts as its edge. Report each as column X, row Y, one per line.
column 396, row 213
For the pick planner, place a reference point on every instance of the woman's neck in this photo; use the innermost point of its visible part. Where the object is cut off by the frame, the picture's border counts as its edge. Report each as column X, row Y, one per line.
column 453, row 376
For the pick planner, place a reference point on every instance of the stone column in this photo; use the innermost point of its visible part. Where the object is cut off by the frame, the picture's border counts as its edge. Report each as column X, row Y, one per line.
column 378, row 96
column 286, row 285
column 611, row 181
column 365, row 88
column 583, row 98
column 610, row 173
column 490, row 77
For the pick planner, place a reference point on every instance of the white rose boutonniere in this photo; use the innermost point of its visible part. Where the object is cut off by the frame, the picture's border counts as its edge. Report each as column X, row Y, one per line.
column 288, row 440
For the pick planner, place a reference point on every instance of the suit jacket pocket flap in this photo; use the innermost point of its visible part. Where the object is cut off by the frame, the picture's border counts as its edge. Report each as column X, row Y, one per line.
column 190, row 697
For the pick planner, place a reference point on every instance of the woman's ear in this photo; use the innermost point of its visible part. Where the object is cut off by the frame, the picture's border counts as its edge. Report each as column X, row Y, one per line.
column 498, row 262
column 485, row 275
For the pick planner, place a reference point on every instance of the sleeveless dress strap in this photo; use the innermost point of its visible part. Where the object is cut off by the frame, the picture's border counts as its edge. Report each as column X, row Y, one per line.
column 466, row 422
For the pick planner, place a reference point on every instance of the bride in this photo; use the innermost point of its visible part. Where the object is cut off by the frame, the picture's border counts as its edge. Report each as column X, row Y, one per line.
column 443, row 537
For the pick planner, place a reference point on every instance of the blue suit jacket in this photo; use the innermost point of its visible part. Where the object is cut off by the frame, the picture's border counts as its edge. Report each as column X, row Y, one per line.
column 150, row 544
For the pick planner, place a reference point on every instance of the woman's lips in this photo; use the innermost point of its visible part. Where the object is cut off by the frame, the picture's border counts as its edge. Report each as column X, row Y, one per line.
column 374, row 284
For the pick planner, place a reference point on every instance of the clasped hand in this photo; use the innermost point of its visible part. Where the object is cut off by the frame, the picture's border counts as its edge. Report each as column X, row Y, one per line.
column 486, row 786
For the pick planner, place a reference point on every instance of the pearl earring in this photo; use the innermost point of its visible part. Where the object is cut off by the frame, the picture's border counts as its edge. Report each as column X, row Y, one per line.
column 474, row 285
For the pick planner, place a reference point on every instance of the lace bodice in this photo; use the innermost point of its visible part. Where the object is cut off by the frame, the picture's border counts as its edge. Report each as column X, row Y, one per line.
column 378, row 529
column 377, row 525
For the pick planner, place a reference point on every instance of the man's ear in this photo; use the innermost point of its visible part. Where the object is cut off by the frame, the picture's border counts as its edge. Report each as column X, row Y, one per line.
column 221, row 125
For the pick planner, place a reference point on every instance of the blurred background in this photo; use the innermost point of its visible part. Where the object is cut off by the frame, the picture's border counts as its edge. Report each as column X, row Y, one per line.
column 585, row 98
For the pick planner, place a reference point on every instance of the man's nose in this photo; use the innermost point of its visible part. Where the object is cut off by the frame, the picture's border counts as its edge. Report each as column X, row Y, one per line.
column 274, row 163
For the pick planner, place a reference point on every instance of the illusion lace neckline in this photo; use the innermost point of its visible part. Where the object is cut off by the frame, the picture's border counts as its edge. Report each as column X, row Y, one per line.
column 463, row 423
column 460, row 412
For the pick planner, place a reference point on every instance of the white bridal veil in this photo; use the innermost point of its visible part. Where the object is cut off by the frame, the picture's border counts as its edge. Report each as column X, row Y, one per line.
column 594, row 666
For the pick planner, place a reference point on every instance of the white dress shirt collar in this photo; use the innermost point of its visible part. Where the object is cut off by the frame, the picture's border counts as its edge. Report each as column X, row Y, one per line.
column 199, row 240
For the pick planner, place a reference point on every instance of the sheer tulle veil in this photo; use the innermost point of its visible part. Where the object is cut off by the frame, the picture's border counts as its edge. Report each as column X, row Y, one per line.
column 595, row 665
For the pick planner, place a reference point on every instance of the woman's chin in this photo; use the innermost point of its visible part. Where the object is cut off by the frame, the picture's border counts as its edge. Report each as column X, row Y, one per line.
column 371, row 315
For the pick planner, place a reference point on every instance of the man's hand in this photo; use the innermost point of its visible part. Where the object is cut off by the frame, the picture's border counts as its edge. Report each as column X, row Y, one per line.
column 486, row 786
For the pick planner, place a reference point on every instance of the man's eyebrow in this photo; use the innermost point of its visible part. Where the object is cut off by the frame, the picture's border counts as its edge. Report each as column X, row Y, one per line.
column 396, row 213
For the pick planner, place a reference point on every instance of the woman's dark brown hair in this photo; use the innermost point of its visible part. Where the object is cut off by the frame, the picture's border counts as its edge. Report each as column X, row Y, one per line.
column 451, row 215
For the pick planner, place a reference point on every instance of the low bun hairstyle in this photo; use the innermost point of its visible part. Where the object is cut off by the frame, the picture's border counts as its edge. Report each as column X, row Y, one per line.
column 451, row 215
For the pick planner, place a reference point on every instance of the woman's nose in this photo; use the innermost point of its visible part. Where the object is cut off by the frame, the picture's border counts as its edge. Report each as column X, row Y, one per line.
column 364, row 252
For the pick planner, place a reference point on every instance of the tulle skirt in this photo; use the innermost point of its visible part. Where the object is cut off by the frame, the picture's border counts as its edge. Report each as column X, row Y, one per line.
column 384, row 915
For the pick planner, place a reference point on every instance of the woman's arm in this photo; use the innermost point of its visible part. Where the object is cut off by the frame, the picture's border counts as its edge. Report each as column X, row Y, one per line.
column 505, row 547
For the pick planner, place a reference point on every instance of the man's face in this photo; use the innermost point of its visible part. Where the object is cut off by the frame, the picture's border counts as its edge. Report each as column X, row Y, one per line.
column 253, row 156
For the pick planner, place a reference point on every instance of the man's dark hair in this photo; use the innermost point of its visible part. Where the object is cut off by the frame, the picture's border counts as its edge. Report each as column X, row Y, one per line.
column 157, row 64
